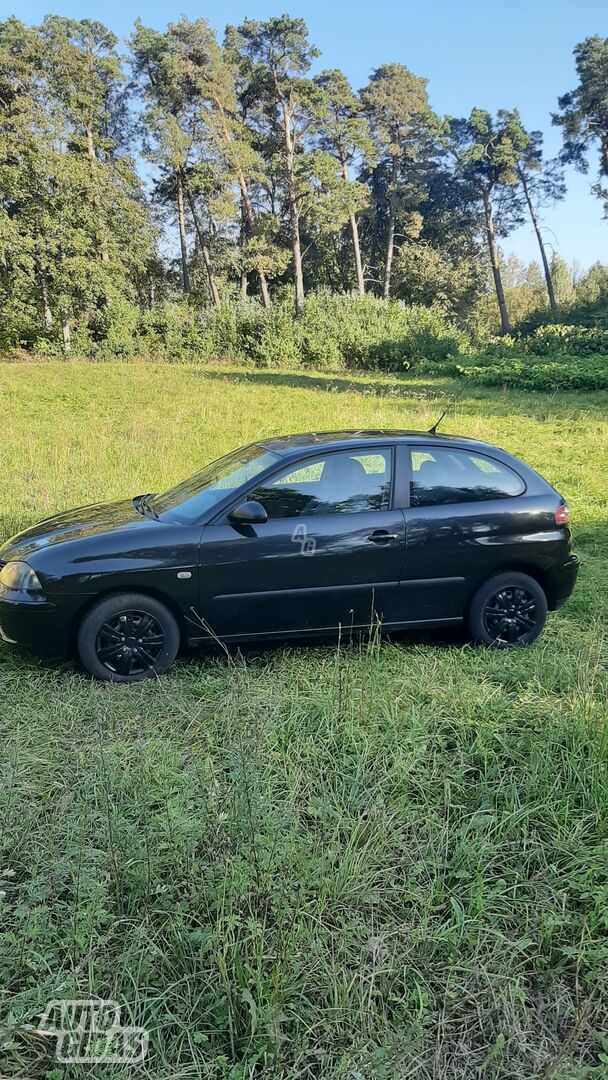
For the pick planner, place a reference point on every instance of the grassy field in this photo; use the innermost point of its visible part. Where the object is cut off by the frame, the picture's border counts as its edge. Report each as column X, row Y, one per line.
column 381, row 861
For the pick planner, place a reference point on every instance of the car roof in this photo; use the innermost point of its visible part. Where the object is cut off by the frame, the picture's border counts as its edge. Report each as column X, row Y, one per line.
column 288, row 445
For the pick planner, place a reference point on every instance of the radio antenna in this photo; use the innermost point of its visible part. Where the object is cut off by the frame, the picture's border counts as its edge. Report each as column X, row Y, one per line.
column 450, row 404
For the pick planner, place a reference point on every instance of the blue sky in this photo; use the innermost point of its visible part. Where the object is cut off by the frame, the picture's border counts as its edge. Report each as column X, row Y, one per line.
column 474, row 53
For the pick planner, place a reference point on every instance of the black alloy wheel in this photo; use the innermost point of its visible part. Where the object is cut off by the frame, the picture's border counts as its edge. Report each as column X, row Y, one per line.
column 129, row 643
column 509, row 616
column 508, row 610
column 127, row 637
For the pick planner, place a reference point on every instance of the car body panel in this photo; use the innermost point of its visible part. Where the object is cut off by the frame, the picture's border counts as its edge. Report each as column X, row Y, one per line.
column 89, row 552
column 451, row 550
column 304, row 573
column 84, row 521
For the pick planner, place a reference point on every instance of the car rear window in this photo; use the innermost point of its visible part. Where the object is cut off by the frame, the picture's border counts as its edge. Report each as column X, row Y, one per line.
column 442, row 475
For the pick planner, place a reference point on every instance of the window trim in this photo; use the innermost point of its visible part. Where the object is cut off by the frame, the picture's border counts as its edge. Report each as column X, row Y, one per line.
column 403, row 477
column 222, row 518
column 412, row 448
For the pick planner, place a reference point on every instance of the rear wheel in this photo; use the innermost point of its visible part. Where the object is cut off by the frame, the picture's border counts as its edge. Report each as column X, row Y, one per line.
column 128, row 637
column 507, row 611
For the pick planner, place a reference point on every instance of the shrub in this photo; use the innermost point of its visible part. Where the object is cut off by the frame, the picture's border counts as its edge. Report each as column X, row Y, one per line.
column 335, row 331
column 358, row 332
column 387, row 334
column 573, row 340
column 590, row 314
column 172, row 332
column 112, row 332
column 524, row 372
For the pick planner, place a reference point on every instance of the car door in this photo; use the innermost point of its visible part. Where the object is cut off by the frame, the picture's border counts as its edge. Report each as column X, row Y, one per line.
column 462, row 521
column 328, row 556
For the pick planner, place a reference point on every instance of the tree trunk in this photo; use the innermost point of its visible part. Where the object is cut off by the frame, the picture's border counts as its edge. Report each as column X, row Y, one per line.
column 505, row 325
column 543, row 253
column 44, row 288
column 90, row 145
column 248, row 214
column 93, row 166
column 390, row 241
column 242, row 243
column 376, row 228
column 213, row 291
column 250, row 224
column 46, row 307
column 181, row 222
column 294, row 218
column 354, row 229
column 66, row 333
column 298, row 277
column 294, row 212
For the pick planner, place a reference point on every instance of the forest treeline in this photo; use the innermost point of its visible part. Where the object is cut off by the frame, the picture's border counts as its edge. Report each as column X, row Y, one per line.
column 192, row 178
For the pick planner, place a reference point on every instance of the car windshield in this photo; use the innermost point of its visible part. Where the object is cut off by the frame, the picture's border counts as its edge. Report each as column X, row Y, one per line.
column 187, row 501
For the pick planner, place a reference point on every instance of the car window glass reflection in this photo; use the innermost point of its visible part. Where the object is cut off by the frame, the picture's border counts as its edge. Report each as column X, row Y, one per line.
column 336, row 484
column 443, row 476
column 186, row 502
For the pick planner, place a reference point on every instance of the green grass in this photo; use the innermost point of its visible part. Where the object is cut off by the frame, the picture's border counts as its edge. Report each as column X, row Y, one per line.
column 379, row 861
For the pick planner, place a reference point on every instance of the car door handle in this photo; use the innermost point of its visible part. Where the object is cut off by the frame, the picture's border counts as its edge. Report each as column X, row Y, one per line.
column 381, row 536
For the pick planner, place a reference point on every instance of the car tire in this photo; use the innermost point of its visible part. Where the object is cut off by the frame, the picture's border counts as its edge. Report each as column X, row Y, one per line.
column 507, row 611
column 128, row 637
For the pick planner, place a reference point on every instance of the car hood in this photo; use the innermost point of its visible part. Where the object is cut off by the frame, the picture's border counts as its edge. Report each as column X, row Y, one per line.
column 73, row 525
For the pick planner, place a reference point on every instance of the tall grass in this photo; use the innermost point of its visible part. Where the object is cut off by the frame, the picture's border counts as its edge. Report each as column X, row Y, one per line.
column 380, row 860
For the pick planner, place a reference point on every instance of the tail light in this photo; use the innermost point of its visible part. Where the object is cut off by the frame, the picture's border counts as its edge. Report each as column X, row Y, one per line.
column 562, row 515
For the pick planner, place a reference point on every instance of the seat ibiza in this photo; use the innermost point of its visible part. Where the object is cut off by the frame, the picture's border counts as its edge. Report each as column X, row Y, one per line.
column 311, row 534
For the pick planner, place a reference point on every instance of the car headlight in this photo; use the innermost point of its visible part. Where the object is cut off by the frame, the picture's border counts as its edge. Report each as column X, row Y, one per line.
column 21, row 577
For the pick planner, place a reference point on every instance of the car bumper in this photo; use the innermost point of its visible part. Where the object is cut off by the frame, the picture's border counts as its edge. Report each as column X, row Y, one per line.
column 562, row 580
column 35, row 624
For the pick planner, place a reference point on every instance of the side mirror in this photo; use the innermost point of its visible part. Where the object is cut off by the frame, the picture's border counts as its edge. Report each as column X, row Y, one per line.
column 248, row 513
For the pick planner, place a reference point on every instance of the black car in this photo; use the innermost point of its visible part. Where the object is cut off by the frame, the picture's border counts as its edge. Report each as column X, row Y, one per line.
column 307, row 534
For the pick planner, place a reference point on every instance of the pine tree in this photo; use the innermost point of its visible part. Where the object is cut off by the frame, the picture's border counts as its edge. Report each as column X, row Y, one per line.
column 487, row 153
column 583, row 112
column 403, row 125
column 343, row 132
column 173, row 134
column 280, row 55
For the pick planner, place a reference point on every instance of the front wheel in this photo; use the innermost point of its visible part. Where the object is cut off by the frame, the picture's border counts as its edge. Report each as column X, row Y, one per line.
column 510, row 609
column 128, row 637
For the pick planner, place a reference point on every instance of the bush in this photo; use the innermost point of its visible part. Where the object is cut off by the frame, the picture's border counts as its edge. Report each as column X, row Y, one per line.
column 335, row 331
column 573, row 340
column 525, row 372
column 112, row 332
column 349, row 331
column 171, row 332
column 588, row 314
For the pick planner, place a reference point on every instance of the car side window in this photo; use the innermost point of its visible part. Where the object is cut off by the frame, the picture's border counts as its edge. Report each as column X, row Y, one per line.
column 442, row 475
column 341, row 483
